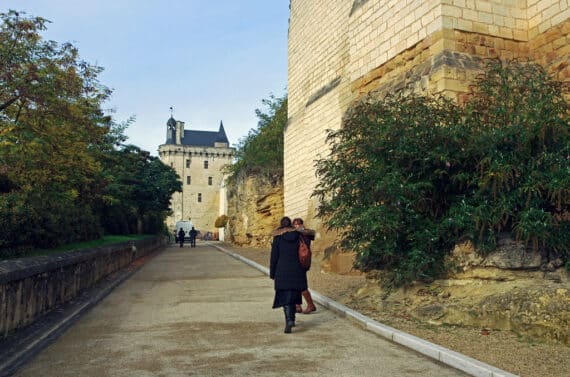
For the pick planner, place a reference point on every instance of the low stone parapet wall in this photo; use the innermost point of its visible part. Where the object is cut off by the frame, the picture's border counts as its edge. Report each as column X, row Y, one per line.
column 30, row 287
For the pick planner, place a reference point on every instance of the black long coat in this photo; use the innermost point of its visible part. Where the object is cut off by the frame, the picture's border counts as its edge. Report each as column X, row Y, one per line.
column 284, row 266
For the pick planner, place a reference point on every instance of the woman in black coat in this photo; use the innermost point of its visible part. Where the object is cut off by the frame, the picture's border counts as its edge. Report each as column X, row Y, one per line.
column 286, row 271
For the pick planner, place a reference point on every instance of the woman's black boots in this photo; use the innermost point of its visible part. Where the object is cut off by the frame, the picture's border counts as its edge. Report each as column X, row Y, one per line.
column 289, row 317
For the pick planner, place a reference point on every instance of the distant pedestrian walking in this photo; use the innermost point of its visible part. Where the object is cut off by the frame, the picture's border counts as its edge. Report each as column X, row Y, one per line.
column 193, row 234
column 181, row 234
column 285, row 269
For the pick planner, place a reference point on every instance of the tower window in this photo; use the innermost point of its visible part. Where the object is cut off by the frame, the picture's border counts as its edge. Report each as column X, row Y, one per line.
column 199, row 197
column 206, row 164
column 188, row 180
column 187, row 163
column 210, row 181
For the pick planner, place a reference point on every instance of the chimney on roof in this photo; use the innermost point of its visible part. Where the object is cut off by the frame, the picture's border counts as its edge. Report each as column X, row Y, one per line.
column 179, row 132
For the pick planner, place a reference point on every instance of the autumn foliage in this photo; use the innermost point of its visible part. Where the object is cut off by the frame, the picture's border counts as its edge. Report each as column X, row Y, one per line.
column 59, row 151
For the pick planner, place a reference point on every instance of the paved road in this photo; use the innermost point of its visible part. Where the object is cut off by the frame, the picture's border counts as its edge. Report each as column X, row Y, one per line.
column 199, row 312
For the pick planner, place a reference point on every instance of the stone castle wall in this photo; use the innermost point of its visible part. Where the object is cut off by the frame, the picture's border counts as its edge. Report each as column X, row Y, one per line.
column 188, row 161
column 341, row 50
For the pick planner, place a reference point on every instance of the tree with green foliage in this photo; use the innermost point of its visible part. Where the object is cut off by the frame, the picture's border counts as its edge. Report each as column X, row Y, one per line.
column 51, row 123
column 261, row 151
column 411, row 176
column 65, row 175
column 138, row 191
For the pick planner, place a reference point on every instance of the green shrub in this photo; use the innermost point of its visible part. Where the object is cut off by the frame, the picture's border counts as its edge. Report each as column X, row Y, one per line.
column 261, row 151
column 409, row 176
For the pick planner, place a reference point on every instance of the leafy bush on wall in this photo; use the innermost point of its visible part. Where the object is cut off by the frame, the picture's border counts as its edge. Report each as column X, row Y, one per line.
column 410, row 176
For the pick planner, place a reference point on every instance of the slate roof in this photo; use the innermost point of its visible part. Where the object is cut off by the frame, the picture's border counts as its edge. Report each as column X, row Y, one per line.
column 204, row 138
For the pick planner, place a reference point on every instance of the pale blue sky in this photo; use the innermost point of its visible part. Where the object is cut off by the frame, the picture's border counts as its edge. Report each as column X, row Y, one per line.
column 210, row 60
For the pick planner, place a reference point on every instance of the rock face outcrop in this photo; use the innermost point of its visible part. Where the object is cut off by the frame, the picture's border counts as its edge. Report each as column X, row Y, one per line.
column 513, row 288
column 255, row 206
column 531, row 307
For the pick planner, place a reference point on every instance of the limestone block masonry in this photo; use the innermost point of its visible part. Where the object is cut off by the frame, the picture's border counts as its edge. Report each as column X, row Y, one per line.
column 200, row 170
column 341, row 50
column 31, row 287
column 199, row 158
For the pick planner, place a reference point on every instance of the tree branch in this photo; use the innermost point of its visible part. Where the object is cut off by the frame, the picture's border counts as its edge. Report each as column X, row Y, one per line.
column 7, row 103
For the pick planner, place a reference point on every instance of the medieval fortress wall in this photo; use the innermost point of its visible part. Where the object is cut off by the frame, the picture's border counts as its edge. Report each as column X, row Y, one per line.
column 204, row 182
column 341, row 50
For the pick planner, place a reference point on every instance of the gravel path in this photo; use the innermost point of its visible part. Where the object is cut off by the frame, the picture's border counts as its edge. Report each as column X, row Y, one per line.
column 502, row 349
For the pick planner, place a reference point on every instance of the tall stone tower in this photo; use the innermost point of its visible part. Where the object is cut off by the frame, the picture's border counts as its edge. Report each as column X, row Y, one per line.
column 198, row 158
column 340, row 50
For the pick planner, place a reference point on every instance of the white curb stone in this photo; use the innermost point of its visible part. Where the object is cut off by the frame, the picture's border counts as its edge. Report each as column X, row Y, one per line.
column 380, row 329
column 424, row 347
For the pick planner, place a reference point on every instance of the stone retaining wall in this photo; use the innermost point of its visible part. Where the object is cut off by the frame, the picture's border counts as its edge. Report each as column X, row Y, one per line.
column 31, row 287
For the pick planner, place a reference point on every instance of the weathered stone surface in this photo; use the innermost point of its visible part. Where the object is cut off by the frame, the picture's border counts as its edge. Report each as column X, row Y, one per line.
column 337, row 262
column 255, row 206
column 510, row 255
column 465, row 256
column 513, row 255
column 531, row 305
column 31, row 287
column 538, row 312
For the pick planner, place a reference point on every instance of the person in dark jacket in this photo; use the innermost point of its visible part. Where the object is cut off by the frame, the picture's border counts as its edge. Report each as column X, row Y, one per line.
column 285, row 269
column 193, row 234
column 181, row 235
column 308, row 235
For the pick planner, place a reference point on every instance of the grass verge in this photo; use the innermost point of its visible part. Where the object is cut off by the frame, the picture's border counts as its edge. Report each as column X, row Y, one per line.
column 105, row 240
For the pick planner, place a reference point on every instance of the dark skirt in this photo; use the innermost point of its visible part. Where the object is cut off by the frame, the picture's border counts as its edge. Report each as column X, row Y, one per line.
column 286, row 297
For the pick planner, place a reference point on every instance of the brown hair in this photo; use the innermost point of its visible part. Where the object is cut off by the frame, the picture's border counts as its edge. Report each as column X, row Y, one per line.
column 298, row 220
